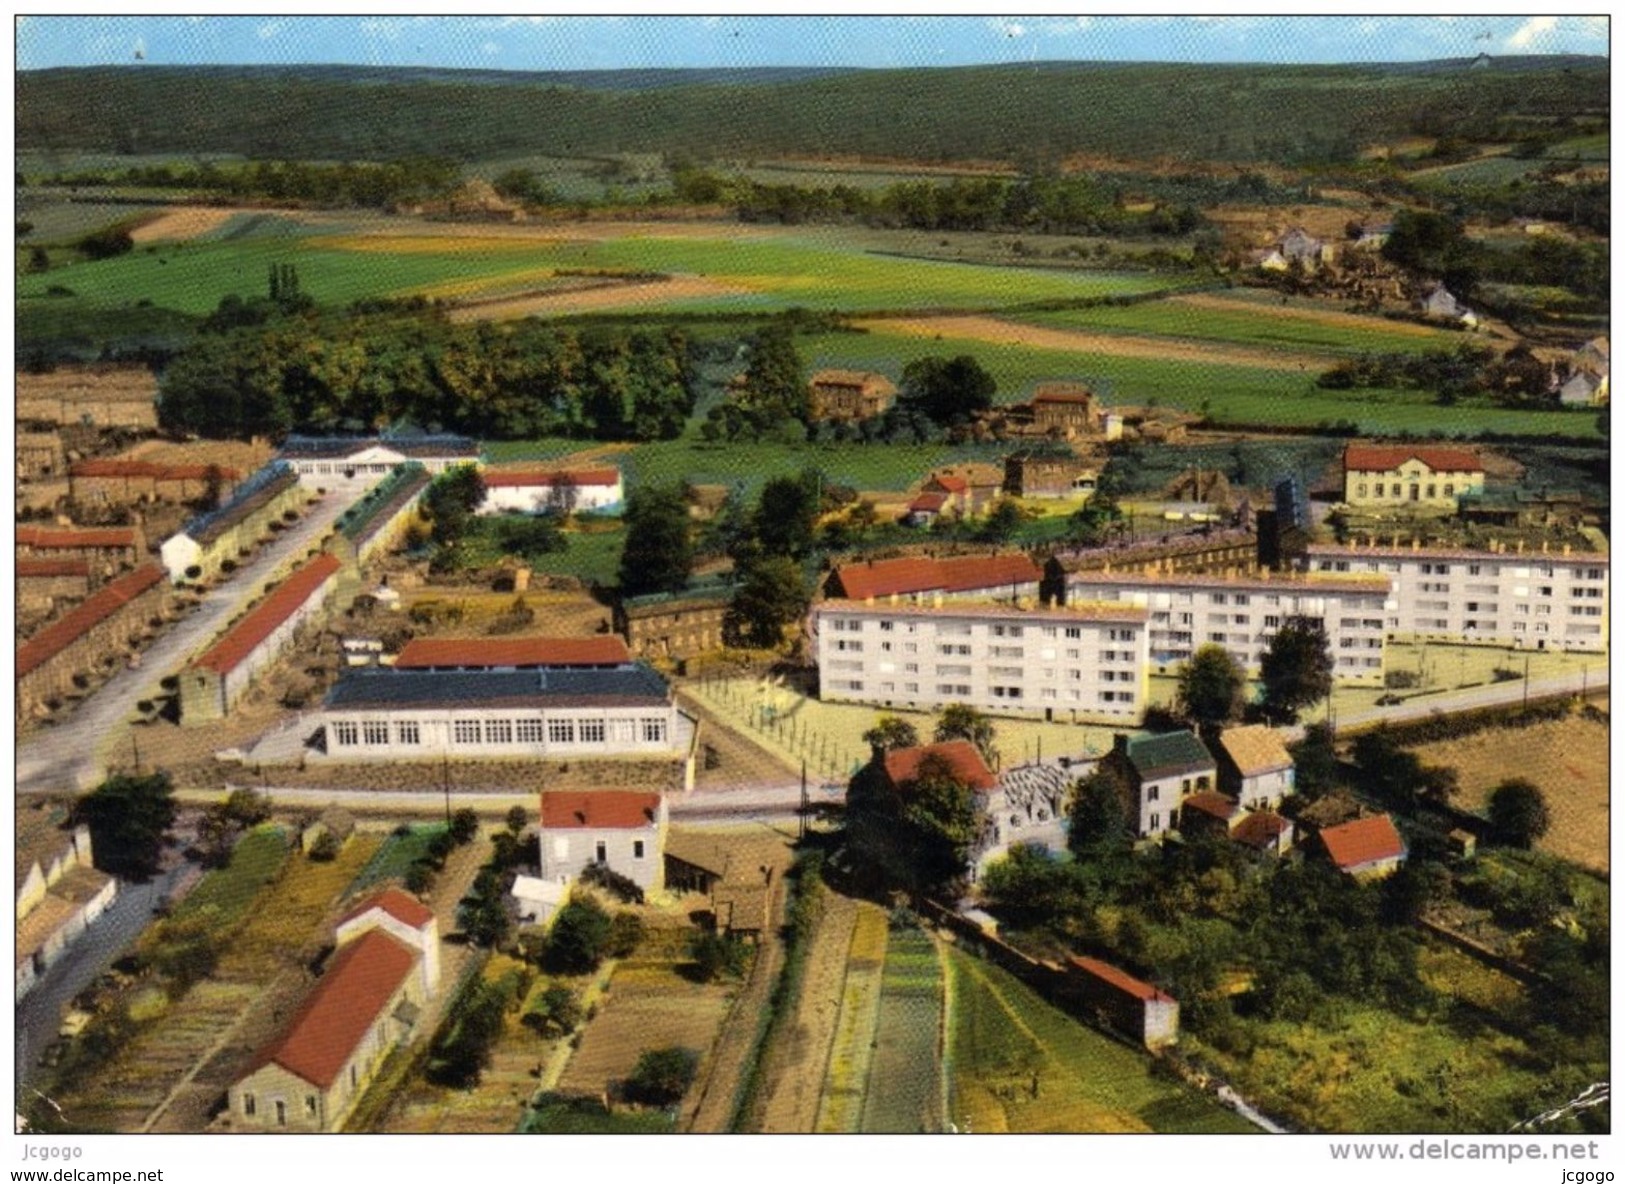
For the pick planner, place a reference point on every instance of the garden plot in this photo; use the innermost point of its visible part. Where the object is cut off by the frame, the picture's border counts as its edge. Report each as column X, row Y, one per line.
column 840, row 1109
column 904, row 1094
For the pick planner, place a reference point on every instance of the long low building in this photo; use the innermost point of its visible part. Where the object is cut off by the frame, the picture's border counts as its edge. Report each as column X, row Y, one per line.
column 1079, row 662
column 1532, row 600
column 329, row 460
column 42, row 584
column 107, row 549
column 383, row 714
column 59, row 891
column 91, row 635
column 540, row 491
column 1207, row 552
column 1242, row 614
column 219, row 676
column 377, row 523
column 121, row 481
column 223, row 536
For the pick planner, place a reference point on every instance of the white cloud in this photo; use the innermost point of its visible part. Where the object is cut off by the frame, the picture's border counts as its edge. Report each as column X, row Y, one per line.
column 1537, row 28
column 269, row 30
column 1006, row 28
column 490, row 48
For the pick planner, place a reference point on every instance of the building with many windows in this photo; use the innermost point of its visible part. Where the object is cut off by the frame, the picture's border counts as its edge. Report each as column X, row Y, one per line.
column 1532, row 600
column 622, row 830
column 1243, row 613
column 1162, row 773
column 382, row 714
column 1085, row 661
column 1402, row 475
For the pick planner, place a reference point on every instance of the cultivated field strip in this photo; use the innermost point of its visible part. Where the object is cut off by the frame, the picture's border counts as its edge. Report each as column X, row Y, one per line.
column 840, row 1109
column 903, row 1094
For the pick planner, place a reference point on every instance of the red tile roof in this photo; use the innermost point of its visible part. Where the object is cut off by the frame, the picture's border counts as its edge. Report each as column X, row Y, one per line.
column 1363, row 841
column 928, row 503
column 265, row 617
column 903, row 764
column 965, row 573
column 1260, row 828
column 606, row 649
column 1215, row 805
column 47, row 538
column 1061, row 396
column 323, row 1034
column 114, row 467
column 949, row 484
column 398, row 903
column 526, row 477
column 30, row 568
column 64, row 631
column 1367, row 458
column 1121, row 979
column 603, row 809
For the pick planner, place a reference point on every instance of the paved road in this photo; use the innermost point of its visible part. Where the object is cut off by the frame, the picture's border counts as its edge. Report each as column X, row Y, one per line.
column 109, row 936
column 72, row 755
column 1494, row 695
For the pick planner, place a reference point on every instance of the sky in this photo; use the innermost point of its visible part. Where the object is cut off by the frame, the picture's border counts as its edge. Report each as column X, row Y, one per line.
column 620, row 42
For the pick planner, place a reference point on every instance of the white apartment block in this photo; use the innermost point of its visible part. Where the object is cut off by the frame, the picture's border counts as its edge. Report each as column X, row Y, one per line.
column 1530, row 600
column 1243, row 614
column 1077, row 662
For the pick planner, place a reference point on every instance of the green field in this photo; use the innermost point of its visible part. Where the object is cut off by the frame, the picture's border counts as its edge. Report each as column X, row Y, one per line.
column 397, row 854
column 226, row 893
column 903, row 1095
column 763, row 274
column 1247, row 323
column 1232, row 394
column 1003, row 1040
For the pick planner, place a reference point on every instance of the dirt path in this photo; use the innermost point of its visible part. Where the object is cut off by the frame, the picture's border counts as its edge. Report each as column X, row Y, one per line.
column 793, row 1077
column 184, row 222
column 545, row 304
column 1002, row 332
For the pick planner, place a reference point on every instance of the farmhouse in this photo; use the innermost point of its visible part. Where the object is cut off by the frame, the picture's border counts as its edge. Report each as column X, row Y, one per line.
column 369, row 1000
column 126, row 482
column 1027, row 807
column 39, row 454
column 556, row 491
column 1255, row 767
column 1050, row 475
column 377, row 524
column 44, row 584
column 1066, row 410
column 927, row 506
column 219, row 676
column 385, row 715
column 1088, row 661
column 325, row 460
column 1264, row 831
column 849, row 394
column 1243, row 613
column 108, row 549
column 1125, row 1003
column 1161, row 771
column 919, row 578
column 1201, row 552
column 222, row 536
column 674, row 625
column 99, row 395
column 902, row 765
column 1367, row 848
column 603, row 651
column 622, row 830
column 1583, row 389
column 1440, row 305
column 95, row 634
column 1400, row 475
column 59, row 891
column 1304, row 249
column 1526, row 599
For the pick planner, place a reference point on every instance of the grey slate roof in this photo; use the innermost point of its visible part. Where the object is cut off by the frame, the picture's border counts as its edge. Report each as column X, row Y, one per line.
column 362, row 689
column 1168, row 754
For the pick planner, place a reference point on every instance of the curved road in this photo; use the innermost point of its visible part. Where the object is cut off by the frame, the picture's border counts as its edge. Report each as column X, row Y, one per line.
column 71, row 756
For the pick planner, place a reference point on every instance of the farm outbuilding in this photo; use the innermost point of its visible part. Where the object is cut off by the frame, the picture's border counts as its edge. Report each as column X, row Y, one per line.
column 116, row 481
column 559, row 491
column 108, row 549
column 101, row 395
column 222, row 536
column 622, row 830
column 99, row 631
column 1128, row 1004
column 59, row 891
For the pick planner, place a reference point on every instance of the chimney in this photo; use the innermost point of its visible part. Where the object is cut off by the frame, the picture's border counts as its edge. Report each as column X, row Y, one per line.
column 1567, row 549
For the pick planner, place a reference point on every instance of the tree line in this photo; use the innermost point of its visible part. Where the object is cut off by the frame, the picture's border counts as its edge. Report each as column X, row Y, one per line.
column 358, row 373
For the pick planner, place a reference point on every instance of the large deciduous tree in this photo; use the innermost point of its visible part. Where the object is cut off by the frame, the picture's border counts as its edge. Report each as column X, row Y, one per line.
column 450, row 501
column 891, row 732
column 1099, row 812
column 959, row 721
column 947, row 390
column 129, row 818
column 772, row 594
column 659, row 553
column 1518, row 812
column 1210, row 687
column 1296, row 669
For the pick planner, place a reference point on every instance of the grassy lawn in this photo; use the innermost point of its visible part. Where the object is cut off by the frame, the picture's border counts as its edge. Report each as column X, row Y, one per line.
column 1247, row 324
column 227, row 892
column 903, row 1094
column 565, row 1119
column 1231, row 394
column 399, row 852
column 1002, row 1038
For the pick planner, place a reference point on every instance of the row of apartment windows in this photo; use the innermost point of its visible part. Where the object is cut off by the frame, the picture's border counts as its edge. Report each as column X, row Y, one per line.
column 350, row 733
column 1544, row 570
column 1399, row 490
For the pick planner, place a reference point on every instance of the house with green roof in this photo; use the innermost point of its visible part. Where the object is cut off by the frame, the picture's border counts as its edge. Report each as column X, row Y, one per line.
column 1161, row 772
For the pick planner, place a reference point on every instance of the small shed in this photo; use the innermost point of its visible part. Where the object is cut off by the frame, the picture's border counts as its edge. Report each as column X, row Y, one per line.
column 331, row 821
column 537, row 899
column 1463, row 844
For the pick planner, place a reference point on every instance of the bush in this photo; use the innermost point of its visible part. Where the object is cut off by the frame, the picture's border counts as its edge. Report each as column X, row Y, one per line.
column 465, row 824
column 557, row 1013
column 623, row 889
column 625, row 935
column 1505, row 674
column 580, row 938
column 715, row 955
column 419, row 877
column 661, row 1077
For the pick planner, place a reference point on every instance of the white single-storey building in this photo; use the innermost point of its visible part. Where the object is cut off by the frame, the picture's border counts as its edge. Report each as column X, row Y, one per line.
column 331, row 460
column 622, row 830
column 556, row 491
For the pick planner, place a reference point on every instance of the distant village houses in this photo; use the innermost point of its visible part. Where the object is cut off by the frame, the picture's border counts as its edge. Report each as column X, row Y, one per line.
column 849, row 395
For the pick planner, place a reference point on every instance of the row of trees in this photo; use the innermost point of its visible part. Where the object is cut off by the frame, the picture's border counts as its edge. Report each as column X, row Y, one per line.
column 376, row 186
column 1515, row 379
column 1295, row 672
column 517, row 381
column 1433, row 243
